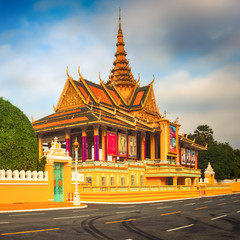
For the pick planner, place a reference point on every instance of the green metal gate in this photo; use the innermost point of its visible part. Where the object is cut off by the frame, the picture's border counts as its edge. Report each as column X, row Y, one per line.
column 58, row 182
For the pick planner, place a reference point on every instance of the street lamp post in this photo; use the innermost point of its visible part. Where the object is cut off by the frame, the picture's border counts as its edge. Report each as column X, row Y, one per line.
column 76, row 199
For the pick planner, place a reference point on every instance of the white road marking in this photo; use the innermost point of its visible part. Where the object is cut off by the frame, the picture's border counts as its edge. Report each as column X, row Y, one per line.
column 86, row 210
column 238, row 211
column 127, row 207
column 25, row 214
column 70, row 217
column 233, row 197
column 174, row 229
column 189, row 204
column 4, row 222
column 155, row 204
column 177, row 201
column 128, row 211
column 208, row 201
column 218, row 217
column 164, row 207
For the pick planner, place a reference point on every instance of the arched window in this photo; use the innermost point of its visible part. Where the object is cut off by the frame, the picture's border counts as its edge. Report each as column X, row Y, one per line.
column 141, row 179
column 122, row 181
column 132, row 180
column 103, row 181
column 169, row 181
column 89, row 180
column 112, row 181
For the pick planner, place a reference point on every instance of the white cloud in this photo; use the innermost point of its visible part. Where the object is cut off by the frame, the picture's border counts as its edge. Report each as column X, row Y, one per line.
column 170, row 39
column 212, row 99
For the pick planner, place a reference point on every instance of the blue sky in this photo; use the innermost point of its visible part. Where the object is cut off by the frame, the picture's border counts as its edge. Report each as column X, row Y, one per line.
column 192, row 48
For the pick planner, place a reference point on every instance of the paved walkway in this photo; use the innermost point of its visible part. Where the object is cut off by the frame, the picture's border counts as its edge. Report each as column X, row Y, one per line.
column 37, row 206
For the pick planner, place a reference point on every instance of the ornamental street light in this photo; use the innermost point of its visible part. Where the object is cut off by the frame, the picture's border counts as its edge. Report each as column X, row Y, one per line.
column 76, row 199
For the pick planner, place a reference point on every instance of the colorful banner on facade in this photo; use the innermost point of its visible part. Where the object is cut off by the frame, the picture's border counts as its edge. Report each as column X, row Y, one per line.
column 188, row 157
column 172, row 138
column 112, row 143
column 122, row 145
column 132, row 147
column 193, row 158
column 183, row 156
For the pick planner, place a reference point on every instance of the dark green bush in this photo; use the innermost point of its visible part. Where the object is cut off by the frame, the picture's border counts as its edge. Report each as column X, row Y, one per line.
column 18, row 141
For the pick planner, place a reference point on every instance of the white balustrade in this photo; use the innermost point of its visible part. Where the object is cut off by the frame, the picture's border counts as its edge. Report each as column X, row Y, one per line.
column 2, row 174
column 15, row 174
column 9, row 174
column 23, row 175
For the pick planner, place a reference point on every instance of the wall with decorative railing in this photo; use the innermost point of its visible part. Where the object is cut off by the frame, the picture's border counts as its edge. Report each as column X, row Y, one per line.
column 23, row 175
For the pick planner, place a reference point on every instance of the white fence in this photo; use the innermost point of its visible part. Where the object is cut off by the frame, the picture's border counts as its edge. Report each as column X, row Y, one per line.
column 23, row 175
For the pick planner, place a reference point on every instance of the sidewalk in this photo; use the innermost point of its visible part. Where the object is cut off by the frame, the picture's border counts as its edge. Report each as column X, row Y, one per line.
column 37, row 206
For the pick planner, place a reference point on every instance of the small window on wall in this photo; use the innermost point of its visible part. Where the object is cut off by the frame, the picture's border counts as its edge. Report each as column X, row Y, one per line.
column 132, row 180
column 141, row 180
column 89, row 180
column 103, row 181
column 112, row 181
column 169, row 181
column 122, row 181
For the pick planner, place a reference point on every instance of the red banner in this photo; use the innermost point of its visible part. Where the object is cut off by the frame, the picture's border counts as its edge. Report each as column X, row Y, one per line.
column 112, row 143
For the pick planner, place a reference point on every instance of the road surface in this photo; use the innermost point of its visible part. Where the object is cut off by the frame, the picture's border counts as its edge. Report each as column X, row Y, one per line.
column 212, row 218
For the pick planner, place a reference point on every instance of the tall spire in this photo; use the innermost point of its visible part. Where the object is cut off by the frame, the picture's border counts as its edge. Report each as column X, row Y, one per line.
column 120, row 26
column 121, row 73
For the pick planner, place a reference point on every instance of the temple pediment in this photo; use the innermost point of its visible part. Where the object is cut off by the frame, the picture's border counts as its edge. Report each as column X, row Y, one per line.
column 69, row 98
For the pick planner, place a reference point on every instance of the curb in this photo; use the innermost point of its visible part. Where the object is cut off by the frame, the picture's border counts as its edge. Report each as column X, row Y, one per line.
column 166, row 200
column 43, row 209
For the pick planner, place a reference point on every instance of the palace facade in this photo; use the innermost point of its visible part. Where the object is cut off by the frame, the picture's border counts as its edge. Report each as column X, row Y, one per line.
column 124, row 140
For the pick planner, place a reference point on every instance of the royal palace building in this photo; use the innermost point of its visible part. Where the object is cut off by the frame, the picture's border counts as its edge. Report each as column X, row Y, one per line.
column 123, row 138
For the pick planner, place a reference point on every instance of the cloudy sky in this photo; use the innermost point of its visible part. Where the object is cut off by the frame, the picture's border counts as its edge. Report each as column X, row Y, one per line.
column 192, row 48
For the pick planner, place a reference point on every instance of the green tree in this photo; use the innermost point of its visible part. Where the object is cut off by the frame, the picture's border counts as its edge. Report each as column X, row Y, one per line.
column 203, row 135
column 236, row 164
column 18, row 141
column 223, row 158
column 42, row 163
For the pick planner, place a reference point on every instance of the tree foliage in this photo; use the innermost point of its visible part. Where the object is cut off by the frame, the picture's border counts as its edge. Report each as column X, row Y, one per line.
column 18, row 141
column 223, row 158
column 203, row 135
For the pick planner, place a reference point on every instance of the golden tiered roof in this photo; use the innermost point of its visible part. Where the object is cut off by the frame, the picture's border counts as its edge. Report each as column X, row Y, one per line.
column 121, row 76
column 121, row 101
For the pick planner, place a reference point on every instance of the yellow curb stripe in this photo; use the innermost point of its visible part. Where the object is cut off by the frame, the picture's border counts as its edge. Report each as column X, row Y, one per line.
column 200, row 208
column 164, row 214
column 128, row 220
column 221, row 204
column 42, row 230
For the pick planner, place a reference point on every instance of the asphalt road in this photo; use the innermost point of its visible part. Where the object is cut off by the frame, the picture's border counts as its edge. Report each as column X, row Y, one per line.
column 200, row 218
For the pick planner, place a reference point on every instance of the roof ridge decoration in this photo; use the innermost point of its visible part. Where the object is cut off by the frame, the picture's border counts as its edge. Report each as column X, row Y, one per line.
column 68, row 73
column 121, row 76
column 80, row 76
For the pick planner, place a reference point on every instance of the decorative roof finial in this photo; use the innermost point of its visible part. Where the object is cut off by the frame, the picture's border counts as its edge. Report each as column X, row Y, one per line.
column 67, row 72
column 120, row 26
column 100, row 77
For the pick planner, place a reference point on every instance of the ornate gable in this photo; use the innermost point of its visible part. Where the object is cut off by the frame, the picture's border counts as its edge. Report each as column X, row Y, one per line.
column 70, row 98
column 150, row 103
